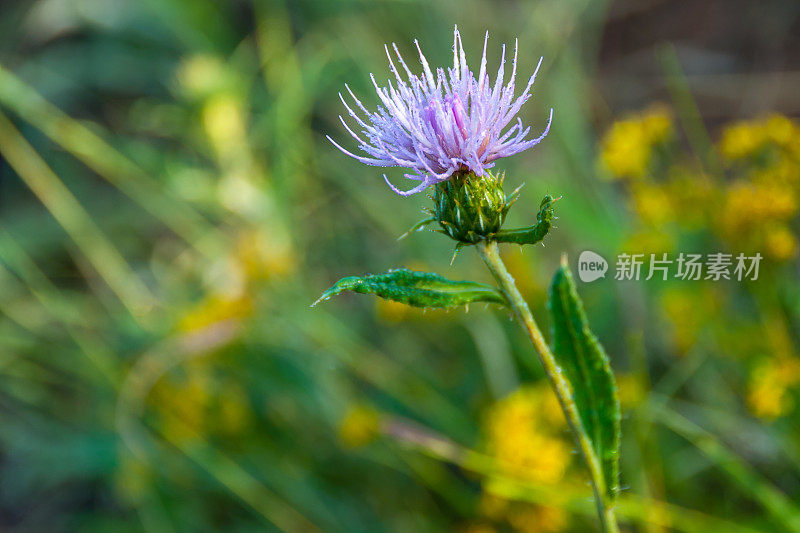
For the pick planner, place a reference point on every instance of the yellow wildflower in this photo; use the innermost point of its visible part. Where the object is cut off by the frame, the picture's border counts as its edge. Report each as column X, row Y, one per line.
column 187, row 397
column 624, row 150
column 781, row 130
column 216, row 308
column 631, row 391
column 493, row 506
column 748, row 137
column 262, row 254
column 205, row 402
column 783, row 172
column 767, row 400
column 679, row 307
column 768, row 395
column 390, row 311
column 522, row 435
column 780, row 243
column 657, row 124
column 741, row 139
column 394, row 312
column 748, row 205
column 225, row 125
column 360, row 426
column 652, row 204
column 539, row 519
column 649, row 241
column 689, row 310
column 627, row 146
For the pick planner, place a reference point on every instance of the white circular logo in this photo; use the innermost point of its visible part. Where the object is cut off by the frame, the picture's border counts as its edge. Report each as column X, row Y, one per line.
column 591, row 266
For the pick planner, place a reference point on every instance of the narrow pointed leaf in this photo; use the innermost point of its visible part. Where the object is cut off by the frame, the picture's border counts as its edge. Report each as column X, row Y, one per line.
column 535, row 233
column 416, row 227
column 419, row 289
column 586, row 366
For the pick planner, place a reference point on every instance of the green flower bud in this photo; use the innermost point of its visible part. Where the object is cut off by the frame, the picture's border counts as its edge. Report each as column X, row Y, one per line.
column 471, row 208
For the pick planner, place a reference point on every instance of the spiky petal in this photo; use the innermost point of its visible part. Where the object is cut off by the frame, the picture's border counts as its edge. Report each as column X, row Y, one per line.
column 440, row 125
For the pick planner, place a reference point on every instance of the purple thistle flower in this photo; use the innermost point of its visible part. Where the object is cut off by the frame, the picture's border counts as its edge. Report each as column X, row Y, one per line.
column 439, row 126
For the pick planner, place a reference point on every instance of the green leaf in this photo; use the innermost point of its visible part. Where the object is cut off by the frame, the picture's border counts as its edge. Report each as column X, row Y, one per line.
column 588, row 371
column 416, row 227
column 419, row 289
column 535, row 233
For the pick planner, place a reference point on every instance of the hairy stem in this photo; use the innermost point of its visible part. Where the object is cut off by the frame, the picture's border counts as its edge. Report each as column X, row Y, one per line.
column 491, row 256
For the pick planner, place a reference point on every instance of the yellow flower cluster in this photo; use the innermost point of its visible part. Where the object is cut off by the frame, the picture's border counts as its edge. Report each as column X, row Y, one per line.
column 759, row 207
column 523, row 435
column 747, row 202
column 522, row 517
column 208, row 403
column 215, row 308
column 539, row 519
column 652, row 203
column 747, row 138
column 690, row 310
column 262, row 254
column 359, row 426
column 752, row 204
column 756, row 216
column 780, row 243
column 753, row 211
column 631, row 391
column 768, row 394
column 255, row 255
column 627, row 152
column 627, row 148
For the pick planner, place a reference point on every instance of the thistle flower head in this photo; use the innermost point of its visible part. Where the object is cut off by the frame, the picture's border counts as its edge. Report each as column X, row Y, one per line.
column 438, row 126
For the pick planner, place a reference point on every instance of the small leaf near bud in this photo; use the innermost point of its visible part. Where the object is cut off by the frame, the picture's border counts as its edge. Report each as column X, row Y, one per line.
column 417, row 227
column 535, row 233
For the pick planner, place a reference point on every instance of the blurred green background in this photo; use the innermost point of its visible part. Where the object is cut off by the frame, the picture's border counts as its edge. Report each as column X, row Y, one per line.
column 169, row 208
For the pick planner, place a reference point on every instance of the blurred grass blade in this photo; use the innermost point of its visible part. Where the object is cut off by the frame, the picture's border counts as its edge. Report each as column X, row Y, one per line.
column 588, row 371
column 59, row 306
column 632, row 508
column 23, row 315
column 780, row 508
column 130, row 410
column 333, row 338
column 418, row 289
column 688, row 112
column 241, row 483
column 495, row 352
column 107, row 162
column 9, row 307
column 71, row 215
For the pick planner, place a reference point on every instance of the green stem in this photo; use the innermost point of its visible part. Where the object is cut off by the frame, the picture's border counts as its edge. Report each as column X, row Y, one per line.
column 491, row 256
